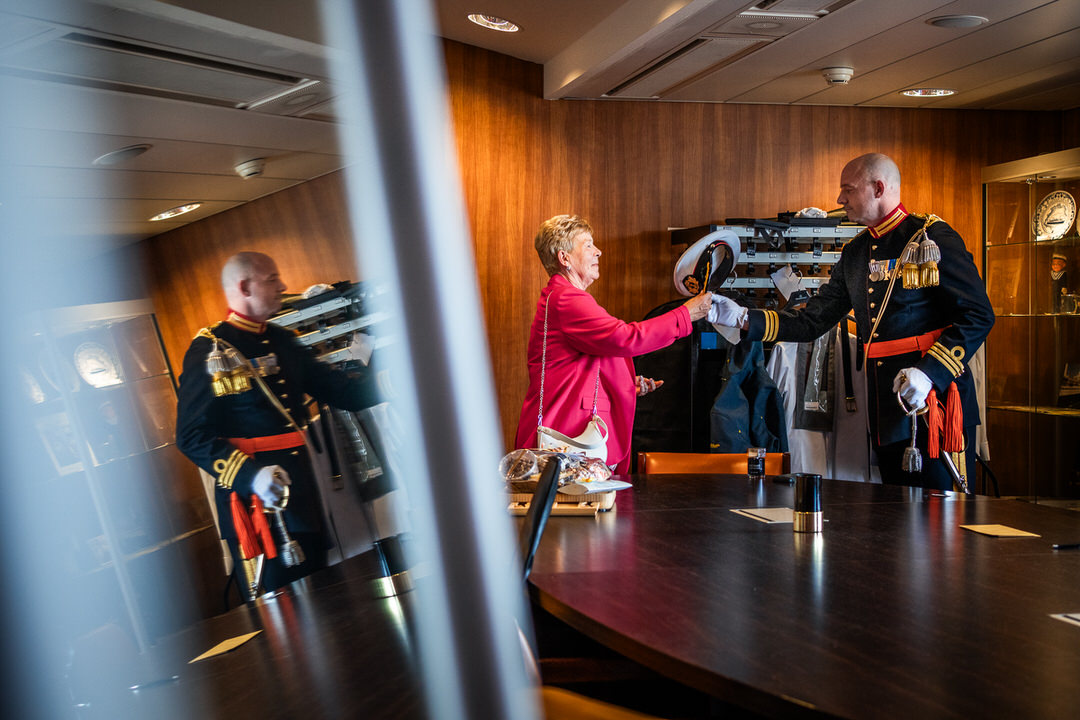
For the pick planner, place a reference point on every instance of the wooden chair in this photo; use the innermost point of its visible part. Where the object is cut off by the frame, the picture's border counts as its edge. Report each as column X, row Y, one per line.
column 655, row 463
column 561, row 704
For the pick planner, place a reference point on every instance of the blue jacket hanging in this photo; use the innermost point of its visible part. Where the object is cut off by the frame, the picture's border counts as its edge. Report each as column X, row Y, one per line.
column 748, row 411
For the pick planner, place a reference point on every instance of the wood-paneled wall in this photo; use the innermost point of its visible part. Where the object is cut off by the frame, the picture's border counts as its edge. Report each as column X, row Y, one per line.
column 634, row 169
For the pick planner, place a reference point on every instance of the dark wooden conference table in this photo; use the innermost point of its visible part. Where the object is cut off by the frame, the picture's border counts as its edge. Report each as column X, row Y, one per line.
column 893, row 611
column 330, row 646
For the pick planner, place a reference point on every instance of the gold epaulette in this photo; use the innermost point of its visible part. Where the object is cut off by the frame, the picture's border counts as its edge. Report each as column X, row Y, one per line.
column 921, row 256
column 208, row 332
column 230, row 373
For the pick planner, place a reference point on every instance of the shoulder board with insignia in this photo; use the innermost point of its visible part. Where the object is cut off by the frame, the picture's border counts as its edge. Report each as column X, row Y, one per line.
column 208, row 331
column 927, row 218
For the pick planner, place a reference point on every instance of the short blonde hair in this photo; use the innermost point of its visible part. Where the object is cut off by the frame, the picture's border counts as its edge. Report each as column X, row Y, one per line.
column 557, row 234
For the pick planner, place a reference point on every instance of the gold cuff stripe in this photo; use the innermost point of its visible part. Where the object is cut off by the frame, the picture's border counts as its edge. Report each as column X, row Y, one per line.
column 229, row 469
column 955, row 356
column 939, row 353
column 772, row 325
column 227, row 477
column 943, row 357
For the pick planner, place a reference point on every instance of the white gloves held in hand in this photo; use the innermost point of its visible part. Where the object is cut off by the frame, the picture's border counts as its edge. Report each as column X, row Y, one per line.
column 913, row 386
column 727, row 312
column 269, row 484
column 646, row 385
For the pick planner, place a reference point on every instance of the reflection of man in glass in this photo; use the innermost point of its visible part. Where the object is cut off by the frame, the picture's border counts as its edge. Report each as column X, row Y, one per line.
column 1059, row 280
column 242, row 412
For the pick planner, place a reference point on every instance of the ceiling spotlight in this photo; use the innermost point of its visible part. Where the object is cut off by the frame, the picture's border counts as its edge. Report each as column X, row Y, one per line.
column 957, row 21
column 122, row 155
column 178, row 210
column 493, row 22
column 928, row 92
column 837, row 75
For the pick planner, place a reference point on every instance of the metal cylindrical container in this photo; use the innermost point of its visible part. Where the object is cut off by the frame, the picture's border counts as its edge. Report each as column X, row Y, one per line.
column 808, row 516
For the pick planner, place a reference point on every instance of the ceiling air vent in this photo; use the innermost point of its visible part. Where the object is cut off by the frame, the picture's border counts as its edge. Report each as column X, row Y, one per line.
column 699, row 56
column 80, row 59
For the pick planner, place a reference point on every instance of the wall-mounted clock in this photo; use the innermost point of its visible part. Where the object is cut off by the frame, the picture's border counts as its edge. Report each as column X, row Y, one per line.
column 1054, row 216
column 96, row 365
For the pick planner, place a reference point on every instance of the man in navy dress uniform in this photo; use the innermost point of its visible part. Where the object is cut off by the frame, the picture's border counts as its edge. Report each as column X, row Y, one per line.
column 242, row 413
column 920, row 308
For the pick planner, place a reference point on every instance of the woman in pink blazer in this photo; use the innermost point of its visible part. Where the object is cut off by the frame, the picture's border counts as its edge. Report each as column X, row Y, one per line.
column 583, row 340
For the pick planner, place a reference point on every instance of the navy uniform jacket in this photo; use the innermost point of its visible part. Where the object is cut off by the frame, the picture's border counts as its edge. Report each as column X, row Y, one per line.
column 958, row 304
column 204, row 422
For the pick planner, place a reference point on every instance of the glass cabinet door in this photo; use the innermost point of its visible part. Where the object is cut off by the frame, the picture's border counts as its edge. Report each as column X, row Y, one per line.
column 1032, row 271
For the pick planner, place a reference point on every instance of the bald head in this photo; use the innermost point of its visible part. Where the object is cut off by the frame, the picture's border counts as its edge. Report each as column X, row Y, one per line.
column 252, row 285
column 869, row 188
column 875, row 166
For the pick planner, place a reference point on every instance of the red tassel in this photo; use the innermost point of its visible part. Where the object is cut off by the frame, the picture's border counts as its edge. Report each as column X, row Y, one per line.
column 934, row 419
column 954, row 421
column 245, row 535
column 262, row 528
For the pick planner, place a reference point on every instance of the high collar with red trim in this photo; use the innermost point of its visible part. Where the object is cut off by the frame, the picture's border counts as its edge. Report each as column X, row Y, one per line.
column 890, row 222
column 243, row 322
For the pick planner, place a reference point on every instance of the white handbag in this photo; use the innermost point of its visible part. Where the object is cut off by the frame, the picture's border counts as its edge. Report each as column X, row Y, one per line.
column 592, row 442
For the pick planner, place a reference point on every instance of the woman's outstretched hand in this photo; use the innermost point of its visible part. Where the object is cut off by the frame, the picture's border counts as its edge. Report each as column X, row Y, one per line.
column 699, row 305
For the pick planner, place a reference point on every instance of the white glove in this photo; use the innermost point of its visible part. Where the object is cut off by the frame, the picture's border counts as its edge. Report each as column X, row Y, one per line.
column 727, row 312
column 269, row 484
column 913, row 386
column 361, row 347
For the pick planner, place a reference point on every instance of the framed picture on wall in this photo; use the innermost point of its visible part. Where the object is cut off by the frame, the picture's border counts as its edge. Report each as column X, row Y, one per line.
column 60, row 442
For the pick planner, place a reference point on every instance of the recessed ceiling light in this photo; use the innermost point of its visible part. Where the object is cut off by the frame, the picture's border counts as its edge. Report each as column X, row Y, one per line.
column 928, row 92
column 493, row 22
column 764, row 25
column 178, row 210
column 957, row 21
column 122, row 155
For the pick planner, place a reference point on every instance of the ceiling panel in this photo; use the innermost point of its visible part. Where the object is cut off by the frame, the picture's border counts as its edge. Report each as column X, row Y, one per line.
column 58, row 148
column 171, row 188
column 210, row 84
column 964, row 51
column 1047, row 61
column 829, row 37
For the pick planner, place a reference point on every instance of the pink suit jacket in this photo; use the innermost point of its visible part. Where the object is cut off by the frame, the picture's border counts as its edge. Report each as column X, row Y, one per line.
column 581, row 339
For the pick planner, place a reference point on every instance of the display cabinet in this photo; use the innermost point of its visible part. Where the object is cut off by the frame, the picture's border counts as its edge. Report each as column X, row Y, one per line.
column 1032, row 272
column 135, row 518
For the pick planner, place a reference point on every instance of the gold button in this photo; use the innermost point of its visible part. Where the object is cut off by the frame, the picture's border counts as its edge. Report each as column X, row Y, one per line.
column 876, row 334
column 873, row 305
column 870, row 290
column 879, row 363
column 873, row 247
